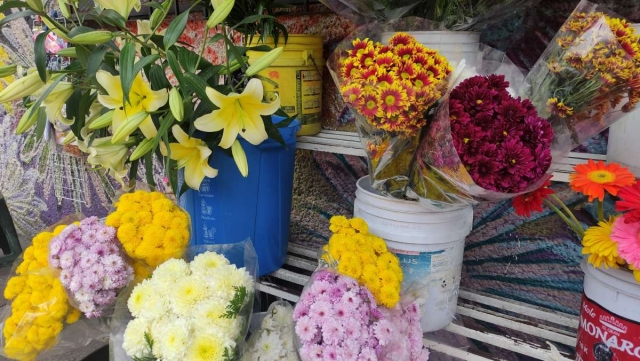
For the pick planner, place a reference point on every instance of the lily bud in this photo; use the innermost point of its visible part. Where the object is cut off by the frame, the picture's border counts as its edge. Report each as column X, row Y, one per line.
column 176, row 105
column 128, row 127
column 102, row 121
column 68, row 52
column 36, row 5
column 69, row 138
column 220, row 13
column 28, row 119
column 21, row 88
column 7, row 70
column 240, row 158
column 92, row 38
column 63, row 5
column 233, row 66
column 143, row 148
column 264, row 61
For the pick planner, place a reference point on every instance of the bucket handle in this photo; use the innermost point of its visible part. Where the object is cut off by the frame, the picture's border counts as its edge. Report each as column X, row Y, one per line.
column 310, row 56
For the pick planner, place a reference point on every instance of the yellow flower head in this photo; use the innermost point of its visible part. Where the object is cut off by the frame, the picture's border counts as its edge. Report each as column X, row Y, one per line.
column 602, row 250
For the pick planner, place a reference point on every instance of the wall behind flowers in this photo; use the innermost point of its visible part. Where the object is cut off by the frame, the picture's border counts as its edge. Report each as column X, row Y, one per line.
column 534, row 261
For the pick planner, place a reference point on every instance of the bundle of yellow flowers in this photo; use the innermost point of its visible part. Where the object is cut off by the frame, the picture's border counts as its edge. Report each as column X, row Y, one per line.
column 39, row 304
column 393, row 85
column 363, row 256
column 151, row 228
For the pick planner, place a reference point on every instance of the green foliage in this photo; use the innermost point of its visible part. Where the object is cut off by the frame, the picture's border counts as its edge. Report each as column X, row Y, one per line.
column 149, row 356
column 237, row 302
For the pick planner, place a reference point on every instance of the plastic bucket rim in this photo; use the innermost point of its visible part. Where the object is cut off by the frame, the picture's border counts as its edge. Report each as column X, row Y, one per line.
column 612, row 278
column 412, row 204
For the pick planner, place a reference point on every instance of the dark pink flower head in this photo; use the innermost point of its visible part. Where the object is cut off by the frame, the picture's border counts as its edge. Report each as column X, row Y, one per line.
column 497, row 82
column 511, row 110
column 537, row 131
column 515, row 158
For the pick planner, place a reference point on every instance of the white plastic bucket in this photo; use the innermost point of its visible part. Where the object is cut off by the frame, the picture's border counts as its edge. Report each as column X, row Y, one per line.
column 454, row 45
column 623, row 146
column 610, row 315
column 430, row 246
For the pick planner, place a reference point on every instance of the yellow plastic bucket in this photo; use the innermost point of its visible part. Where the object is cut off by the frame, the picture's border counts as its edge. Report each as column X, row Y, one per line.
column 296, row 78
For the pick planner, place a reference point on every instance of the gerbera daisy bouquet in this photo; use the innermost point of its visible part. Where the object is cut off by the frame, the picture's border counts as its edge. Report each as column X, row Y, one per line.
column 484, row 143
column 588, row 77
column 39, row 307
column 191, row 310
column 614, row 242
column 389, row 84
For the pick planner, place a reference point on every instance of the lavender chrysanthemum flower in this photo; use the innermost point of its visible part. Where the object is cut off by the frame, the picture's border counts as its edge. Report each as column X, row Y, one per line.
column 112, row 261
column 100, row 250
column 105, row 234
column 90, row 238
column 65, row 278
column 67, row 260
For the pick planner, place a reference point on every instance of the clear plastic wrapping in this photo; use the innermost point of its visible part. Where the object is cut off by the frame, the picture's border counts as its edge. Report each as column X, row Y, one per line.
column 40, row 320
column 201, row 307
column 588, row 77
column 483, row 143
column 389, row 83
column 272, row 339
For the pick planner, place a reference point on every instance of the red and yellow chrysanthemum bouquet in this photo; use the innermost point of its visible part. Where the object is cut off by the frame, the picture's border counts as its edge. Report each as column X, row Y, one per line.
column 390, row 87
column 614, row 242
column 588, row 77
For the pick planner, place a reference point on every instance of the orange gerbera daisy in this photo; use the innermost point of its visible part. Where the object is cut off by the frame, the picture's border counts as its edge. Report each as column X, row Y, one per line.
column 594, row 178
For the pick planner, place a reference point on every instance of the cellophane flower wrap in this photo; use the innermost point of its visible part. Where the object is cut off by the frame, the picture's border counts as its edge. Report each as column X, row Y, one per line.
column 39, row 310
column 151, row 227
column 189, row 310
column 389, row 84
column 273, row 340
column 588, row 77
column 484, row 142
column 93, row 267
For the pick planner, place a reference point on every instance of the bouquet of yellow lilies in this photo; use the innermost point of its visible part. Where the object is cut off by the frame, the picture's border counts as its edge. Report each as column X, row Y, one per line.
column 117, row 103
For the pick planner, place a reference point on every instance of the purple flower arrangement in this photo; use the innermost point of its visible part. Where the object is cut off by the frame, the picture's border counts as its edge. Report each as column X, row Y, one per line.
column 337, row 319
column 91, row 263
column 502, row 142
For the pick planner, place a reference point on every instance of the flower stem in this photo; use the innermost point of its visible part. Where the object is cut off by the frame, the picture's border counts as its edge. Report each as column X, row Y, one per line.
column 567, row 210
column 204, row 45
column 600, row 211
column 566, row 220
column 226, row 49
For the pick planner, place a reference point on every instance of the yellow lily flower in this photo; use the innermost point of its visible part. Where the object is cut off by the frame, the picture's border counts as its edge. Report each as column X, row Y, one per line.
column 104, row 154
column 238, row 114
column 55, row 101
column 191, row 154
column 141, row 99
column 122, row 7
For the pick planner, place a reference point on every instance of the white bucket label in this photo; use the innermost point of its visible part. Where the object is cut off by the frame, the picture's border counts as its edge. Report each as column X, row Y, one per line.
column 437, row 272
column 605, row 336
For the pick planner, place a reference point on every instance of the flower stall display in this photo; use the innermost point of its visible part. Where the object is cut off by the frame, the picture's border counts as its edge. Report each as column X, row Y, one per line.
column 151, row 228
column 273, row 340
column 588, row 77
column 354, row 252
column 93, row 269
column 39, row 308
column 611, row 297
column 198, row 310
column 389, row 87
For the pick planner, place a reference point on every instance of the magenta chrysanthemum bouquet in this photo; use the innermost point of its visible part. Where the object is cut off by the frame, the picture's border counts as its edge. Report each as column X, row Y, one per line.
column 92, row 266
column 501, row 140
column 483, row 143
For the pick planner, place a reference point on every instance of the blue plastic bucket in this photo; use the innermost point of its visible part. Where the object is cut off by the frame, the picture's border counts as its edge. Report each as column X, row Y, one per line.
column 231, row 208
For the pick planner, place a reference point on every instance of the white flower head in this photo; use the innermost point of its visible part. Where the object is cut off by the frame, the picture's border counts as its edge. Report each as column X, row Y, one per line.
column 134, row 343
column 269, row 347
column 140, row 297
column 174, row 339
column 171, row 271
column 186, row 294
column 207, row 263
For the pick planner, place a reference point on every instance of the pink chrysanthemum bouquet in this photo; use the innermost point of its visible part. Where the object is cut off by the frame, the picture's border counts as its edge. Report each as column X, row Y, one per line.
column 93, row 268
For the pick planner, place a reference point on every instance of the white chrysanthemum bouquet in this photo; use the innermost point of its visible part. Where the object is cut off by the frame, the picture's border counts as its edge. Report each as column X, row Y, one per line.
column 273, row 340
column 190, row 311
